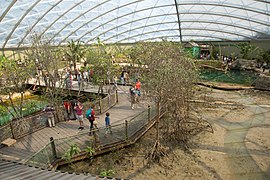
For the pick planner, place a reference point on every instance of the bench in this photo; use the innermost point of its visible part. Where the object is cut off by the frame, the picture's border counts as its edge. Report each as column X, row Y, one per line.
column 9, row 142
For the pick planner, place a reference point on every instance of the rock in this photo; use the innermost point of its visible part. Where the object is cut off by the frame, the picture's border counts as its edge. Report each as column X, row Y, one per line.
column 244, row 64
column 263, row 82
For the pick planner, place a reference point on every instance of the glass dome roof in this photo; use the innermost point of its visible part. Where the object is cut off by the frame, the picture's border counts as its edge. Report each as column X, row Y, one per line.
column 128, row 21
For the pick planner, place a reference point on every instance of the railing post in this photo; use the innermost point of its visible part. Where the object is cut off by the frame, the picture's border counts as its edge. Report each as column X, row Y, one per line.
column 126, row 122
column 116, row 93
column 149, row 113
column 53, row 147
column 100, row 110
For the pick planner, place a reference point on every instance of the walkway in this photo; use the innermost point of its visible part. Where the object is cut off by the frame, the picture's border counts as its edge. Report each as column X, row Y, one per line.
column 30, row 144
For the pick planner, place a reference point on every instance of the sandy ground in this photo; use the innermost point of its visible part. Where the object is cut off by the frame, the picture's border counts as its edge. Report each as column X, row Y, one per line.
column 238, row 148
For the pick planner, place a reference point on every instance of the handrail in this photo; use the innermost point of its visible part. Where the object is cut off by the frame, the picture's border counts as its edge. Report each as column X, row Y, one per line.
column 124, row 134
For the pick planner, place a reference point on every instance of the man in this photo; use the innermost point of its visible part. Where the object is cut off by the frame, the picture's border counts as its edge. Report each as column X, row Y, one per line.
column 49, row 112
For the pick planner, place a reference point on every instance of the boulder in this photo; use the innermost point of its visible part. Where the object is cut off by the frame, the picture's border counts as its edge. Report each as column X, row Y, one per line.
column 244, row 64
column 263, row 82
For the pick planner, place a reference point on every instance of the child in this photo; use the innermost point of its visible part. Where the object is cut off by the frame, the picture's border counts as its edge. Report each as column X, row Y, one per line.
column 108, row 123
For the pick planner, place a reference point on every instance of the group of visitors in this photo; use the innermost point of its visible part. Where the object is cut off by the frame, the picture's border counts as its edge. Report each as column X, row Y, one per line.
column 80, row 76
column 78, row 110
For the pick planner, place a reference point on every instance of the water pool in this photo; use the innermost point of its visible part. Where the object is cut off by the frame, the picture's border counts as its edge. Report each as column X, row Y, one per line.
column 234, row 77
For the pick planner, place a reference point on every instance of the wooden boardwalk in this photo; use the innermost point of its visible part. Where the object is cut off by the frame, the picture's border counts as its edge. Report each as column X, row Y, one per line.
column 30, row 144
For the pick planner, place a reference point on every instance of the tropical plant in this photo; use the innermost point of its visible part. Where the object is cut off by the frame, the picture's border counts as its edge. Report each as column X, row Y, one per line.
column 71, row 152
column 105, row 172
column 75, row 52
column 246, row 49
column 264, row 55
column 90, row 151
column 102, row 64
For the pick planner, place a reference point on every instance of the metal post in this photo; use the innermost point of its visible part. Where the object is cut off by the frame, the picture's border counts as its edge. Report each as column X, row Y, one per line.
column 149, row 113
column 126, row 122
column 53, row 147
column 179, row 21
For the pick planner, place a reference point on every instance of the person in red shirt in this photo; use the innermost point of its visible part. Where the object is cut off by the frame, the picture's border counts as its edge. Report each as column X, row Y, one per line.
column 138, row 87
column 67, row 108
column 79, row 114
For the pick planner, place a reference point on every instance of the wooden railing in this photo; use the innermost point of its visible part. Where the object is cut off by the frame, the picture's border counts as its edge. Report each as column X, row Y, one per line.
column 27, row 125
column 123, row 134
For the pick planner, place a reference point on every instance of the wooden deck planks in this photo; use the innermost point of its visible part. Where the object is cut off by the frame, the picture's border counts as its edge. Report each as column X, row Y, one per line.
column 32, row 143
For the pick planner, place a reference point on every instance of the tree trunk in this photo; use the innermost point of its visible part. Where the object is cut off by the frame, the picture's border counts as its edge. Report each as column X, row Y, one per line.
column 157, row 123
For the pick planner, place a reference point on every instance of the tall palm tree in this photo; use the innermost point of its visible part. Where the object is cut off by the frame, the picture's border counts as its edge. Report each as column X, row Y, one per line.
column 75, row 52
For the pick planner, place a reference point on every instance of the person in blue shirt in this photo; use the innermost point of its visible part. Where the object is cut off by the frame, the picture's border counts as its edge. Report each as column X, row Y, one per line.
column 108, row 123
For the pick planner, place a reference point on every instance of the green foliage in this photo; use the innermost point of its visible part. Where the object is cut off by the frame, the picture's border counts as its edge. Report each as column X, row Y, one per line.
column 264, row 55
column 28, row 107
column 90, row 151
column 246, row 49
column 105, row 172
column 75, row 52
column 101, row 63
column 14, row 73
column 168, row 68
column 71, row 152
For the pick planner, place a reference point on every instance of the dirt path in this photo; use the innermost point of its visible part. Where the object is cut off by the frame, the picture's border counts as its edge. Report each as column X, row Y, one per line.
column 238, row 149
column 241, row 163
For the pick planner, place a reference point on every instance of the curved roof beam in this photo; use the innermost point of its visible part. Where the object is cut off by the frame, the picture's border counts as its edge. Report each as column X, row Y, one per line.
column 233, row 25
column 214, row 30
column 197, row 3
column 8, row 8
column 32, row 26
column 59, row 17
column 80, row 15
column 192, row 35
column 263, row 1
column 95, row 18
column 224, row 4
column 18, row 22
column 121, row 24
column 183, row 21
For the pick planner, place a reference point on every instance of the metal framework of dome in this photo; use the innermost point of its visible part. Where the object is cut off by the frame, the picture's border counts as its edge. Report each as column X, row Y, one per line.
column 129, row 21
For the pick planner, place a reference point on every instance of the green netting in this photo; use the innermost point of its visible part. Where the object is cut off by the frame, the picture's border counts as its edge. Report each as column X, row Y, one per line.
column 43, row 158
column 29, row 107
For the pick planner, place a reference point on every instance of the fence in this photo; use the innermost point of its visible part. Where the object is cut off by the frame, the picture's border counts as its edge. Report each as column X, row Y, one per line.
column 27, row 125
column 102, row 141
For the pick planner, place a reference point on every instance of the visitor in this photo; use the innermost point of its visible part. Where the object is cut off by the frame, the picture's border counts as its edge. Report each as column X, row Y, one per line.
column 67, row 108
column 85, row 76
column 126, row 77
column 115, row 83
column 76, row 72
column 122, row 78
column 133, row 95
column 68, row 80
column 73, row 104
column 90, row 115
column 264, row 65
column 79, row 79
column 138, row 87
column 49, row 111
column 79, row 115
column 108, row 124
